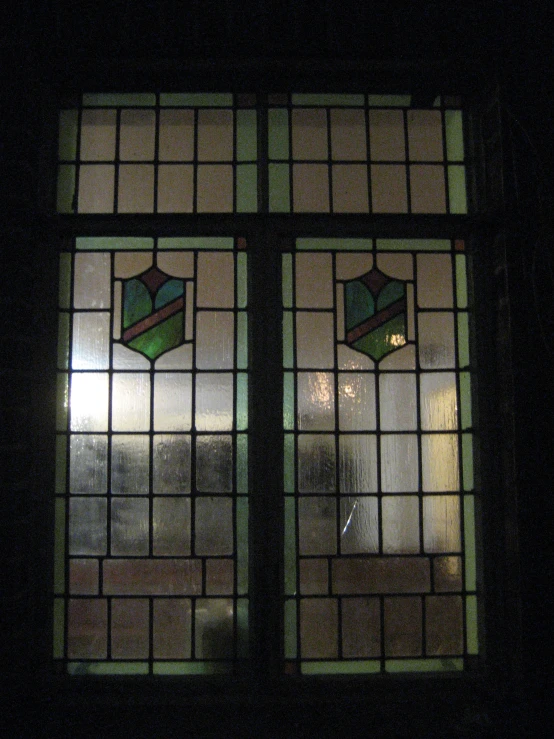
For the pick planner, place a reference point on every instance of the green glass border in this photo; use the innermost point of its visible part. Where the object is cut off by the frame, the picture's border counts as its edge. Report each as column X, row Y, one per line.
column 461, row 281
column 62, row 402
column 242, row 544
column 414, row 244
column 465, row 401
column 58, row 628
column 324, row 99
column 467, row 461
column 289, row 463
column 59, row 546
column 247, row 188
column 108, row 668
column 463, row 340
column 472, row 637
column 192, row 668
column 331, row 244
column 114, row 243
column 469, row 543
column 287, row 280
column 389, row 101
column 433, row 664
column 197, row 99
column 242, row 401
column 61, row 462
column 216, row 243
column 457, row 193
column 64, row 288
column 290, row 546
column 242, row 463
column 242, row 628
column 290, row 629
column 242, row 340
column 67, row 134
column 279, row 188
column 288, row 401
column 118, row 100
column 63, row 340
column 278, row 133
column 66, row 188
column 454, row 135
column 344, row 667
column 247, row 136
column 288, row 333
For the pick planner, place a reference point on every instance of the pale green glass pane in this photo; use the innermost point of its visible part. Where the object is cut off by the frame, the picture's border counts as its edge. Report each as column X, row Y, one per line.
column 191, row 668
column 200, row 99
column 67, row 140
column 454, row 135
column 335, row 244
column 288, row 401
column 242, row 463
column 290, row 546
column 287, row 339
column 424, row 665
column 59, row 622
column 437, row 102
column 389, row 101
column 111, row 100
column 247, row 188
column 66, row 188
column 287, row 280
column 461, row 281
column 114, row 243
column 242, row 401
column 62, row 402
column 242, row 545
column 197, row 242
column 242, row 628
column 241, row 281
column 471, row 625
column 467, row 461
column 289, row 463
column 61, row 461
column 65, row 280
column 278, row 123
column 469, row 542
column 290, row 629
column 414, row 244
column 63, row 340
column 326, row 99
column 279, row 188
column 242, row 341
column 463, row 340
column 247, row 140
column 344, row 667
column 457, row 188
column 107, row 668
column 59, row 546
column 465, row 400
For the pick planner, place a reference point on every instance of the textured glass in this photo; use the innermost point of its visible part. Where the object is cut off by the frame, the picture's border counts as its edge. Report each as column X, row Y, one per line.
column 290, row 546
column 349, row 266
column 317, row 525
column 89, row 401
column 135, row 188
column 469, row 542
column 348, row 134
column 171, row 459
column 443, row 624
column 66, row 189
column 91, row 288
column 316, row 463
column 278, row 123
column 279, row 188
column 67, row 139
column 215, row 135
column 314, row 340
column 461, row 281
column 399, row 464
column 171, row 526
column 63, row 341
column 213, row 526
column 463, row 339
column 454, row 135
column 400, row 516
column 213, row 621
column 129, row 628
column 214, row 464
column 438, row 406
column 137, row 134
column 314, row 281
column 425, row 135
column 434, row 281
column 388, row 188
column 131, row 401
column 397, row 400
column 309, row 134
column 247, row 143
column 242, row 401
column 288, row 339
column 219, row 576
column 350, row 188
column 363, row 575
column 87, row 526
column 152, row 576
column 403, row 633
column 316, row 401
column 467, row 457
column 83, row 576
column 215, row 281
column 427, row 189
column 88, row 459
column 436, row 340
column 313, row 576
column 326, row 99
column 129, row 526
column 96, row 188
column 130, row 465
column 310, row 188
column 386, row 135
column 356, row 401
column 358, row 463
column 439, row 460
column 319, row 628
column 441, row 523
column 214, row 402
column 361, row 628
column 91, row 341
column 172, row 628
column 172, row 401
column 457, row 189
column 87, row 628
column 176, row 135
column 98, row 135
column 214, row 188
column 215, row 340
column 59, row 545
column 359, row 525
column 175, row 188
column 242, row 545
column 247, row 183
column 242, row 463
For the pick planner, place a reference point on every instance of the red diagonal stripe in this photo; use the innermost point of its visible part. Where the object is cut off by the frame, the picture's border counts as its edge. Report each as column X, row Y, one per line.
column 377, row 320
column 153, row 319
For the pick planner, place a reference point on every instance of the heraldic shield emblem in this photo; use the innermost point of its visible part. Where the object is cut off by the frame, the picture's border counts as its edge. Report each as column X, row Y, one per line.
column 153, row 315
column 375, row 314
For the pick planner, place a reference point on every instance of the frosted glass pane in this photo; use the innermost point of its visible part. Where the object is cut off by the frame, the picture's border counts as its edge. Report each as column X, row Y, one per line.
column 215, row 135
column 310, row 188
column 129, row 628
column 96, row 188
column 361, row 627
column 309, row 134
column 214, row 402
column 403, row 633
column 314, row 281
column 213, row 619
column 348, row 134
column 127, row 359
column 313, row 576
column 130, row 464
column 131, row 263
column 350, row 188
column 131, row 401
column 386, row 135
column 436, row 340
column 438, row 401
column 172, row 630
column 214, row 192
column 359, row 525
column 214, row 464
column 98, row 135
column 316, row 463
column 88, row 464
column 171, row 464
column 91, row 341
column 427, row 189
column 136, row 135
column 434, row 281
column 172, row 401
column 89, row 401
column 356, row 402
column 399, row 465
column 176, row 135
column 171, row 526
column 388, row 188
column 396, row 265
column 348, row 359
column 358, row 463
column 349, row 266
column 425, row 135
column 439, row 459
column 314, row 340
column 216, row 280
column 130, row 526
column 316, row 401
column 136, row 188
column 215, row 340
column 398, row 402
column 317, row 523
column 91, row 287
column 87, row 628
column 319, row 628
column 87, row 526
column 400, row 524
column 443, row 624
column 441, row 523
column 213, row 524
column 180, row 358
column 219, row 576
column 175, row 188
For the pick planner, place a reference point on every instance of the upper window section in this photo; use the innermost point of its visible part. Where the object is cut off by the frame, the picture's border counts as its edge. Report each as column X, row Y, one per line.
column 158, row 153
